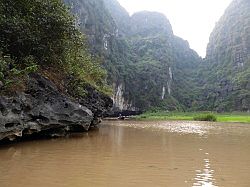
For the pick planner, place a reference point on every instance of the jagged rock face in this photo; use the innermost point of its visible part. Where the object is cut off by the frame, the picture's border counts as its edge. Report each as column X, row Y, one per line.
column 95, row 21
column 43, row 110
column 103, row 35
column 118, row 98
column 99, row 103
column 147, row 23
column 120, row 103
column 106, row 36
column 230, row 40
column 120, row 16
column 226, row 70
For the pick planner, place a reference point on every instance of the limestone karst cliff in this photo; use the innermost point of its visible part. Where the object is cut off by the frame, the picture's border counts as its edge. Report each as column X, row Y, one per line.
column 147, row 65
column 43, row 110
column 226, row 69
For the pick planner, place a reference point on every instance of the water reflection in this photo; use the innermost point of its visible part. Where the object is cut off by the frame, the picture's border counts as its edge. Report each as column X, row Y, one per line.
column 205, row 177
column 181, row 127
column 132, row 153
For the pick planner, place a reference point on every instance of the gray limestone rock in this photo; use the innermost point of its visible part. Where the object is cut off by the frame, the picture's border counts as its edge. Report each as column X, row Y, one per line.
column 42, row 109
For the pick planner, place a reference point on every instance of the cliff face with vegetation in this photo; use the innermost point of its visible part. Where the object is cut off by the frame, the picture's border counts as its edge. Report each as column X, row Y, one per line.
column 226, row 69
column 147, row 65
column 164, row 63
column 49, row 82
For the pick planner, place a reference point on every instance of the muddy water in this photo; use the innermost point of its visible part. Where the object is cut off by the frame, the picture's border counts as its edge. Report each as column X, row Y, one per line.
column 128, row 153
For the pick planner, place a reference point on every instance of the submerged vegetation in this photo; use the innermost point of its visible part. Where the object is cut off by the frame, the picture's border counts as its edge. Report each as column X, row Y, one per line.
column 39, row 36
column 200, row 116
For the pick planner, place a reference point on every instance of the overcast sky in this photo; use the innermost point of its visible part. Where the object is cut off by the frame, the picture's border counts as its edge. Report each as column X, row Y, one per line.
column 192, row 20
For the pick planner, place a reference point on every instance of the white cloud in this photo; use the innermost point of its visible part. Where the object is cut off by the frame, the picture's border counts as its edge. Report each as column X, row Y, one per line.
column 192, row 20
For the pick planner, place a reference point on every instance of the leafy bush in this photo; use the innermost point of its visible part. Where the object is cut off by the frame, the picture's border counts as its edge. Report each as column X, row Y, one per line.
column 37, row 35
column 10, row 74
column 205, row 117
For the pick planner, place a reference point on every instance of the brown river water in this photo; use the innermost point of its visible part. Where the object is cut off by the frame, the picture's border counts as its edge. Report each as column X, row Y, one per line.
column 132, row 154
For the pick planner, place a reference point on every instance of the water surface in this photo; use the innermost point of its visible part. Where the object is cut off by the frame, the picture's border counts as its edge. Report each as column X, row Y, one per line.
column 134, row 153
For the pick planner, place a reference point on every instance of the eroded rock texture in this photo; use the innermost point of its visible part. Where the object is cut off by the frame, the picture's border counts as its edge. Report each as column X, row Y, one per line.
column 42, row 109
column 98, row 103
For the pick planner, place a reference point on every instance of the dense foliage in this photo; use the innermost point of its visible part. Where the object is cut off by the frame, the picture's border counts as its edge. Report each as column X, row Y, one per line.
column 37, row 35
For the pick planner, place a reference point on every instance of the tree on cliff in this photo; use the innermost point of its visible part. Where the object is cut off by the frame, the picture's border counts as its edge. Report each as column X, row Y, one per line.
column 41, row 34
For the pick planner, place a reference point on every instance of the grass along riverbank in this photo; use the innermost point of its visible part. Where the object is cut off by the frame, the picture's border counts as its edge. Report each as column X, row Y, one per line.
column 220, row 117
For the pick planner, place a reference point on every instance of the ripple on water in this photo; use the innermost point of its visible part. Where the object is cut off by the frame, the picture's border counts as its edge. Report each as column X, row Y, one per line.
column 205, row 177
column 181, row 127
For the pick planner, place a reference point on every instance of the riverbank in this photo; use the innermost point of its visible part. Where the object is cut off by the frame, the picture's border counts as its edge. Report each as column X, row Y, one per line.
column 221, row 117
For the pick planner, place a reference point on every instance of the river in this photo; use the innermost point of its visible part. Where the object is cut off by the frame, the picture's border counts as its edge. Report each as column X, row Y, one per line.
column 132, row 154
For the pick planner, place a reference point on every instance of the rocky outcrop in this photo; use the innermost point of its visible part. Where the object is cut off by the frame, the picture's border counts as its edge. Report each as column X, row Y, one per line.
column 147, row 23
column 120, row 103
column 43, row 110
column 229, row 40
column 120, row 16
column 95, row 22
column 99, row 103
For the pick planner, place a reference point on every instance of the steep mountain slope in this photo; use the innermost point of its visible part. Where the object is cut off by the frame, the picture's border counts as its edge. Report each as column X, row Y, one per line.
column 105, row 41
column 226, row 72
column 164, row 62
column 120, row 16
column 147, row 65
column 94, row 21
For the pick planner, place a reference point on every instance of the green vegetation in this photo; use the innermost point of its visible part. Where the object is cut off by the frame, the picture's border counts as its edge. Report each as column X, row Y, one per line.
column 220, row 117
column 226, row 69
column 205, row 117
column 42, row 36
column 144, row 56
column 141, row 53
